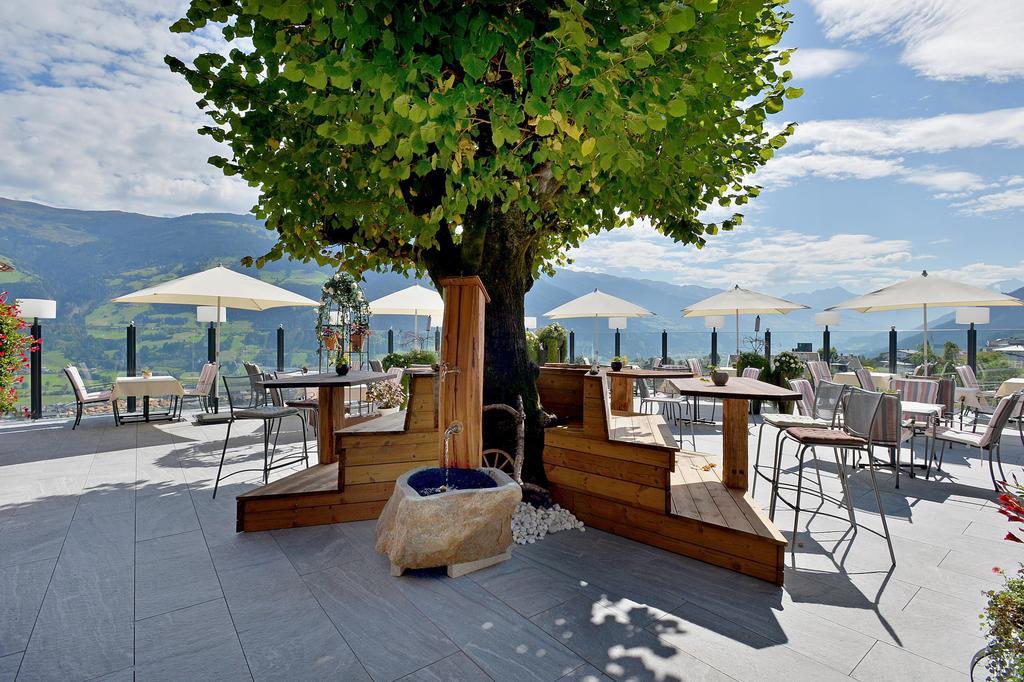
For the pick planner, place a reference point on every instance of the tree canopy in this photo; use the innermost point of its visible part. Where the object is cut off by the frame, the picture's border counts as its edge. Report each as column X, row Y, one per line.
column 382, row 134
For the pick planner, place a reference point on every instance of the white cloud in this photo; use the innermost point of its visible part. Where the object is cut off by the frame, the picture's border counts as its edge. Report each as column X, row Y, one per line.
column 941, row 39
column 946, row 181
column 780, row 260
column 935, row 134
column 92, row 117
column 808, row 62
column 1007, row 200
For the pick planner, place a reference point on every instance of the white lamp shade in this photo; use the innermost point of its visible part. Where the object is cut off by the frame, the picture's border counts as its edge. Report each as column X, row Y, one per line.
column 208, row 313
column 616, row 322
column 829, row 317
column 714, row 321
column 969, row 315
column 43, row 308
column 530, row 322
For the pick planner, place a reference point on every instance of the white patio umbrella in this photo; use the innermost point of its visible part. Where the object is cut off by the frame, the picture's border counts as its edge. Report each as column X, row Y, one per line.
column 221, row 288
column 415, row 301
column 597, row 305
column 924, row 291
column 739, row 301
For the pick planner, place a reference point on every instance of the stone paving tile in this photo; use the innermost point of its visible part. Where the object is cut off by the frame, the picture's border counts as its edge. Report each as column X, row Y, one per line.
column 386, row 631
column 887, row 663
column 527, row 588
column 22, row 588
column 585, row 673
column 173, row 572
column 9, row 666
column 455, row 667
column 198, row 642
column 316, row 548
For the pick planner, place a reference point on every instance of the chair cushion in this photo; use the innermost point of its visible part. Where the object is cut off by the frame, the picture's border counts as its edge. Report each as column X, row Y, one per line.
column 310, row 404
column 265, row 412
column 813, row 436
column 95, row 396
column 955, row 436
column 787, row 421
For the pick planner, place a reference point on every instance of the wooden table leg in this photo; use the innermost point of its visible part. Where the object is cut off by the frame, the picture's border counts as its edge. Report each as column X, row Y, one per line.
column 622, row 393
column 331, row 402
column 735, row 441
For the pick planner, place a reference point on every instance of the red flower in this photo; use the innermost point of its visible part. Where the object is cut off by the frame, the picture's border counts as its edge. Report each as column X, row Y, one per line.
column 1012, row 538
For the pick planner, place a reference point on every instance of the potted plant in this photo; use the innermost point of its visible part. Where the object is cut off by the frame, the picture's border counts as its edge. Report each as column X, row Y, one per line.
column 786, row 366
column 147, row 373
column 718, row 377
column 357, row 335
column 617, row 362
column 388, row 396
column 330, row 339
column 341, row 364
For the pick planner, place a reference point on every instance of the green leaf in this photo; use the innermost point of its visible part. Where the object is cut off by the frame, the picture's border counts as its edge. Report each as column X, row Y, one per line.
column 643, row 59
column 773, row 105
column 793, row 93
column 402, row 105
column 317, row 79
column 705, row 5
column 545, row 126
column 292, row 72
column 587, row 148
column 417, row 113
column 677, row 108
column 683, row 20
column 380, row 135
column 660, row 42
column 655, row 122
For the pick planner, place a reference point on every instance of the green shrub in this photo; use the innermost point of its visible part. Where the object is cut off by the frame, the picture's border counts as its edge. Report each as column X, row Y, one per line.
column 409, row 358
column 750, row 359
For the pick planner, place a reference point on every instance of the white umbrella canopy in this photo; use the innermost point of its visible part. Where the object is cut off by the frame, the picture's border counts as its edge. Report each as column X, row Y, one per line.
column 739, row 301
column 219, row 287
column 222, row 288
column 415, row 300
column 597, row 304
column 923, row 291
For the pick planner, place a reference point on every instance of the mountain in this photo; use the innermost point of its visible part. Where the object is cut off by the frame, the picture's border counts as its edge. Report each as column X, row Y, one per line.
column 83, row 259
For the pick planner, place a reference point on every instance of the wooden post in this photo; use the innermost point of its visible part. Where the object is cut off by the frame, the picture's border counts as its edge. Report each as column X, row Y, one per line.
column 461, row 393
column 734, row 446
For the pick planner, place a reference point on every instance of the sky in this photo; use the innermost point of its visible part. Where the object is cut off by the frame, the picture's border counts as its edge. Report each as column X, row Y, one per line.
column 907, row 154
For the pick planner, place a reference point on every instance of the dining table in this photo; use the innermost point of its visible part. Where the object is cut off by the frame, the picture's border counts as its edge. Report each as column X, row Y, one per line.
column 144, row 387
column 735, row 395
column 882, row 379
column 332, row 407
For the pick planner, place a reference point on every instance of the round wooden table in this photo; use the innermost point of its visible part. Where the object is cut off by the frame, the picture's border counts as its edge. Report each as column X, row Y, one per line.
column 735, row 396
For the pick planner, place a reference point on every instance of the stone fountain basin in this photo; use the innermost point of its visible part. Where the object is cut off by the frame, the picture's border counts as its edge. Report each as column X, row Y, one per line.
column 463, row 530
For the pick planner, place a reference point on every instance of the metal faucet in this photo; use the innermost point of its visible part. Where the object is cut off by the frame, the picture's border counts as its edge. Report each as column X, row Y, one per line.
column 445, row 369
column 453, row 428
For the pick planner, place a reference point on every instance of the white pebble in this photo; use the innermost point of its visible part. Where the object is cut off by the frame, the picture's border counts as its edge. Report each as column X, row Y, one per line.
column 530, row 523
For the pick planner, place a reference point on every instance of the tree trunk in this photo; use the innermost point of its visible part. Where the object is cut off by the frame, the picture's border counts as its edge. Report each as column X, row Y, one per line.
column 502, row 256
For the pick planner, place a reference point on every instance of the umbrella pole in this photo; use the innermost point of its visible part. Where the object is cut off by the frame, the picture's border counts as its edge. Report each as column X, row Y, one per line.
column 926, row 339
column 737, row 334
column 216, row 379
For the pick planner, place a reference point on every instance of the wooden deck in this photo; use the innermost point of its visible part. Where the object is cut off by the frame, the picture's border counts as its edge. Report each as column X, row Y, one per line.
column 622, row 473
column 371, row 456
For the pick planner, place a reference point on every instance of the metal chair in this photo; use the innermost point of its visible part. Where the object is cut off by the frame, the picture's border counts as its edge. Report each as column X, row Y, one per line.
column 670, row 406
column 890, row 431
column 864, row 378
column 201, row 392
column 244, row 405
column 751, row 373
column 698, row 373
column 376, row 366
column 819, row 371
column 988, row 441
column 84, row 395
column 805, row 417
column 860, row 413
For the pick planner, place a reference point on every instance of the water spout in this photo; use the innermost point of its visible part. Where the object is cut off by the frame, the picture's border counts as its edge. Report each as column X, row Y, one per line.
column 453, row 428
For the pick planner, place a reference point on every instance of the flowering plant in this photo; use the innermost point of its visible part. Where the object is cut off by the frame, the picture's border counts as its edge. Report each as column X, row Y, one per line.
column 1003, row 623
column 359, row 328
column 341, row 303
column 1011, row 505
column 788, row 365
column 386, row 394
column 15, row 345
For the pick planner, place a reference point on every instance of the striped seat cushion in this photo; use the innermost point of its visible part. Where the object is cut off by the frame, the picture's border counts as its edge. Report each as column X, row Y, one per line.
column 832, row 437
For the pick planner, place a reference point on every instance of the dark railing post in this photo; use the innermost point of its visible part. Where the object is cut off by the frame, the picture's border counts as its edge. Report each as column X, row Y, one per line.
column 437, row 340
column 280, row 348
column 664, row 347
column 768, row 346
column 826, row 343
column 36, row 370
column 618, row 343
column 131, row 358
column 572, row 346
column 211, row 356
column 972, row 348
column 714, row 346
column 391, row 341
column 892, row 350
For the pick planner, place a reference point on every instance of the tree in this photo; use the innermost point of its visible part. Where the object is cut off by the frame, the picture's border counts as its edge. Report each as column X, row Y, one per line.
column 486, row 138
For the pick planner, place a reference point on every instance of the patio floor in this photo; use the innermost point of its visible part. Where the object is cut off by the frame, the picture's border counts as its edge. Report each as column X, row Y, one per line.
column 116, row 563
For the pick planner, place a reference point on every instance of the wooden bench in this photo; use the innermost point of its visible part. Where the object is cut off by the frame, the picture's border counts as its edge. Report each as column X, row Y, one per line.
column 623, row 473
column 371, row 456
